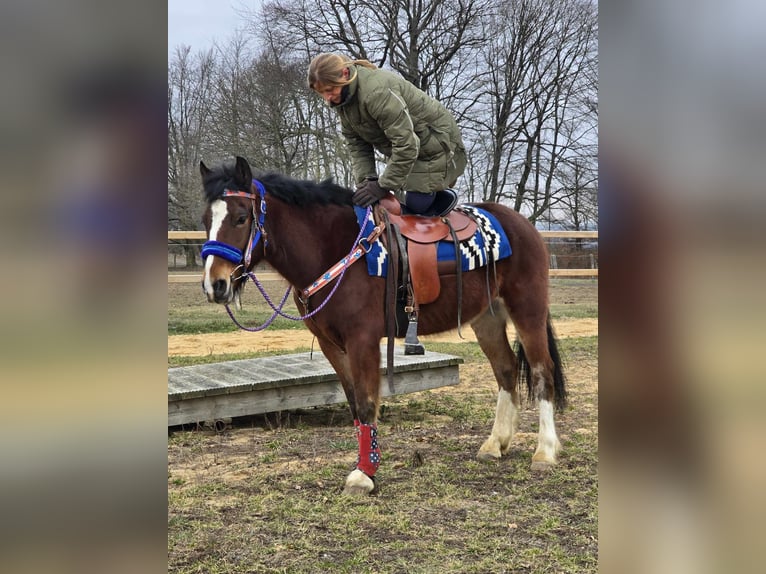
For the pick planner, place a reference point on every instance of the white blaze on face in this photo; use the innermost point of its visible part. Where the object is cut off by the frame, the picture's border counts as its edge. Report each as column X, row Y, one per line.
column 218, row 212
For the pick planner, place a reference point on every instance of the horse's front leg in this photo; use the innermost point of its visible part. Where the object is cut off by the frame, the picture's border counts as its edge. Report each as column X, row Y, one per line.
column 338, row 358
column 364, row 361
column 360, row 379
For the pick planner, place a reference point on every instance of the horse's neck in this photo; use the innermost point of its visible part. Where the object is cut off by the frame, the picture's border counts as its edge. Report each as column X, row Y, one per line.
column 307, row 242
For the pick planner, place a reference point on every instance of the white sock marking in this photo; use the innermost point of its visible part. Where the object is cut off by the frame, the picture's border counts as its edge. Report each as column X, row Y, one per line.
column 505, row 419
column 547, row 441
column 505, row 426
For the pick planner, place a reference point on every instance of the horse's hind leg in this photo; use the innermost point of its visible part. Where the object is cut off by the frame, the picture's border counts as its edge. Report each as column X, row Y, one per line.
column 491, row 335
column 545, row 383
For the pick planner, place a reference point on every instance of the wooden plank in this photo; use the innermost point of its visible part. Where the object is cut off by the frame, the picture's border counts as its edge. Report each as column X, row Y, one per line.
column 252, row 403
column 259, row 401
column 286, row 370
column 255, row 386
column 188, row 384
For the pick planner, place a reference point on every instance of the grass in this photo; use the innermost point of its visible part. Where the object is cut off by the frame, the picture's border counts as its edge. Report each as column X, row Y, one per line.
column 189, row 313
column 264, row 496
column 574, row 311
column 211, row 319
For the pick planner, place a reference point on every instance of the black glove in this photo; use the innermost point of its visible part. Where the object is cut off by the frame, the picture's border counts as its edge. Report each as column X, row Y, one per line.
column 368, row 192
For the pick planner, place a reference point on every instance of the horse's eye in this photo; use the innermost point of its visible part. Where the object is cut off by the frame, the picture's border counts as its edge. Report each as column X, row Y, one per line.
column 242, row 219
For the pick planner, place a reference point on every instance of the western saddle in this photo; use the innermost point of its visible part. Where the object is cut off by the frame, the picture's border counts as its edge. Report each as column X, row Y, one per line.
column 412, row 244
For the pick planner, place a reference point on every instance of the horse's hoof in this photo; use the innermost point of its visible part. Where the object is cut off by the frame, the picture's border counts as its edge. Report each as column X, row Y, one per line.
column 487, row 456
column 542, row 465
column 490, row 450
column 359, row 484
column 545, row 459
column 355, row 491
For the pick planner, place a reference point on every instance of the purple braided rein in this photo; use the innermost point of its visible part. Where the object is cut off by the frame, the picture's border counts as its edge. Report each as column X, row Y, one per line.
column 271, row 319
column 278, row 309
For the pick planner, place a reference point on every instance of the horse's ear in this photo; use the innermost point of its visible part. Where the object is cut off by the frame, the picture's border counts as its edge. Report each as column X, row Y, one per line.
column 203, row 169
column 244, row 174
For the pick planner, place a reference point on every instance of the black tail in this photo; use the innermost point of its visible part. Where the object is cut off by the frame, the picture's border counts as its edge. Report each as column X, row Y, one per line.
column 559, row 381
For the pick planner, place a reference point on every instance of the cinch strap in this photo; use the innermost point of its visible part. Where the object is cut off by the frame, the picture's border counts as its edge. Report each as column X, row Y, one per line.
column 223, row 250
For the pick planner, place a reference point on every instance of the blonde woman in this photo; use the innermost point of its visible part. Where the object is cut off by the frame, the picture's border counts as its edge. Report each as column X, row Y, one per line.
column 380, row 110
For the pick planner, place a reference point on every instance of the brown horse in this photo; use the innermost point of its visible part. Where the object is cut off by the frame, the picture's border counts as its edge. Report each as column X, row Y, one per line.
column 302, row 228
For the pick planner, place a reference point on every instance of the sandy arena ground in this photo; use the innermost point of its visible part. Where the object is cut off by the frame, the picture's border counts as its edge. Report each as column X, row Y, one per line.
column 275, row 340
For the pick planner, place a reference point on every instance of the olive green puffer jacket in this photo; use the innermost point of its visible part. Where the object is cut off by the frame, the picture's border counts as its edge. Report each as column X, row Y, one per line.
column 416, row 133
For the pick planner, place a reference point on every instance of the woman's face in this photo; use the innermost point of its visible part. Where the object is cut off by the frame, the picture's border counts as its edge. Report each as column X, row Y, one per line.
column 332, row 94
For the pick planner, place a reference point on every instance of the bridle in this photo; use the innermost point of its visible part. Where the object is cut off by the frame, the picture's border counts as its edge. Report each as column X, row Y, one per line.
column 232, row 253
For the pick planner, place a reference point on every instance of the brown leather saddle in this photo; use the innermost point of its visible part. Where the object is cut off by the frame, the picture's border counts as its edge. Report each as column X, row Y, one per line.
column 422, row 235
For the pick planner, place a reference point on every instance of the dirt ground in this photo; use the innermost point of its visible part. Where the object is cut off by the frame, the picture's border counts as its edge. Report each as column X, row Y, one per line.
column 275, row 340
column 263, row 495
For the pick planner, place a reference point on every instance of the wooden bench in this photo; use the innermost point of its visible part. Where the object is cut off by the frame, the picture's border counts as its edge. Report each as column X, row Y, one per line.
column 217, row 391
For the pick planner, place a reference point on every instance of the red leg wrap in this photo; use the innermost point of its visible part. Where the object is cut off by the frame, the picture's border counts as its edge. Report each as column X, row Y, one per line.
column 369, row 451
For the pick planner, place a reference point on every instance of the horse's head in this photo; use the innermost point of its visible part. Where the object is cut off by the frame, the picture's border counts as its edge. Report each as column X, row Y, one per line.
column 233, row 228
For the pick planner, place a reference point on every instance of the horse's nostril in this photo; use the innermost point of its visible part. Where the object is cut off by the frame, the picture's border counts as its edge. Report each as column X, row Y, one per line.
column 219, row 288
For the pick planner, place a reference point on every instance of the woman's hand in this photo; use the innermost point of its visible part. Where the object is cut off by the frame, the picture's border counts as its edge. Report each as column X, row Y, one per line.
column 368, row 192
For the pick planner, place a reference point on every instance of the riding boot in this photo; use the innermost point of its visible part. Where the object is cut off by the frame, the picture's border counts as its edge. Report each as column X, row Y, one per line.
column 419, row 203
column 438, row 203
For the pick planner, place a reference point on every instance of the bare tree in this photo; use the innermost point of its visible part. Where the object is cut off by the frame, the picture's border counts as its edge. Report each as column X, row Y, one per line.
column 520, row 126
column 190, row 89
column 519, row 75
column 559, row 70
column 232, row 111
column 578, row 202
column 419, row 40
column 257, row 112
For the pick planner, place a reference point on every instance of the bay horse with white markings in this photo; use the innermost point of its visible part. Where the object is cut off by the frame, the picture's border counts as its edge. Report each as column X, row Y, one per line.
column 302, row 229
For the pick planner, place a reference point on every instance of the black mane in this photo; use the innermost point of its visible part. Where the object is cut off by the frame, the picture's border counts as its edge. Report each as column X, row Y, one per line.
column 297, row 192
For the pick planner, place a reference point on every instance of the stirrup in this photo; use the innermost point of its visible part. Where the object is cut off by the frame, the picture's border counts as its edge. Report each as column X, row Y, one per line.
column 412, row 346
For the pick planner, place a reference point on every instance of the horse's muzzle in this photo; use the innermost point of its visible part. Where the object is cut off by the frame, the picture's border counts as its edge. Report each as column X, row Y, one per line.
column 221, row 288
column 221, row 291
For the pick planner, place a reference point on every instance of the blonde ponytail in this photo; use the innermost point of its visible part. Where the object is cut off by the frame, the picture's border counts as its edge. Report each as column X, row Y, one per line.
column 327, row 70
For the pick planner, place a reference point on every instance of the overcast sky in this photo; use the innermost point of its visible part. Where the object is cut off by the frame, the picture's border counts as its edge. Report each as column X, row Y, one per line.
column 198, row 23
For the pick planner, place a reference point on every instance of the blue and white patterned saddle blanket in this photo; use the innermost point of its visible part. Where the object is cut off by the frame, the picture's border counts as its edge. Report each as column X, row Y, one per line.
column 489, row 243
